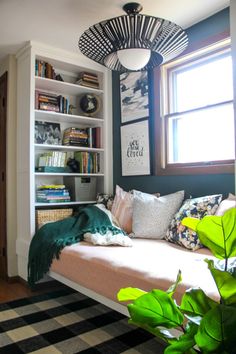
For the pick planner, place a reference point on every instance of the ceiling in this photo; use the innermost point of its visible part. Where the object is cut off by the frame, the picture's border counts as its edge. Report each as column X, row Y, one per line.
column 59, row 23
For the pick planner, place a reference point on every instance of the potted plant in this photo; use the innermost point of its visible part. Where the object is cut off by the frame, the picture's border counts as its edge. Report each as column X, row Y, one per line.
column 207, row 326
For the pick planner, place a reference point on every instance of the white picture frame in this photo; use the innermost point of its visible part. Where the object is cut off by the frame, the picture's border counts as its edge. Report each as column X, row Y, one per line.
column 134, row 96
column 135, row 152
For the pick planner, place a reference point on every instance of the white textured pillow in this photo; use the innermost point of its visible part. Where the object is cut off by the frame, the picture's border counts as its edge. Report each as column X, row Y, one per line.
column 152, row 215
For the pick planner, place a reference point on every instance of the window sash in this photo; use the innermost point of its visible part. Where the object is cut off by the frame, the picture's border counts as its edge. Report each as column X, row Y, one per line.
column 163, row 114
column 209, row 144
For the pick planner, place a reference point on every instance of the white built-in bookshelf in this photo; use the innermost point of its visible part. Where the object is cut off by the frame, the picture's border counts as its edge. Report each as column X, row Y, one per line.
column 29, row 115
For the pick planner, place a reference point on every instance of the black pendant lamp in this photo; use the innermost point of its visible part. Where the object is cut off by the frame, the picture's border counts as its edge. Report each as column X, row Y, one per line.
column 134, row 41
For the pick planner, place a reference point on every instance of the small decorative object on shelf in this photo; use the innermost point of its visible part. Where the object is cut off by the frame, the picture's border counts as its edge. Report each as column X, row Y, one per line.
column 47, row 133
column 59, row 77
column 90, row 104
column 71, row 107
column 73, row 164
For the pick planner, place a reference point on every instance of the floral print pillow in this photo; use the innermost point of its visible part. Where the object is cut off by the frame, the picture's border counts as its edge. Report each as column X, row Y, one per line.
column 105, row 199
column 197, row 208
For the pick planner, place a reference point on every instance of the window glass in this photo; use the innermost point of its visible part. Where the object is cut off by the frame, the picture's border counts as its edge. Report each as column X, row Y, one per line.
column 203, row 84
column 206, row 135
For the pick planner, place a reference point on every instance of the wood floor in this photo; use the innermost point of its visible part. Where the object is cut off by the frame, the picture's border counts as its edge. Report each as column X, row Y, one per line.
column 18, row 289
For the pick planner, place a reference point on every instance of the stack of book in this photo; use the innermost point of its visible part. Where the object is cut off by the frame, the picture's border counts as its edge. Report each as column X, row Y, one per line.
column 56, row 193
column 76, row 137
column 44, row 69
column 51, row 102
column 85, row 137
column 88, row 79
column 89, row 162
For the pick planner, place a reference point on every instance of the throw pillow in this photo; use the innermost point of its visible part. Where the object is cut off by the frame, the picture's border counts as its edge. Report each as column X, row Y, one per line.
column 122, row 209
column 197, row 208
column 231, row 196
column 226, row 204
column 152, row 215
column 105, row 199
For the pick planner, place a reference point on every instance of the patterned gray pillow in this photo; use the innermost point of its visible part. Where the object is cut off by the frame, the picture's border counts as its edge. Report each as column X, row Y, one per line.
column 152, row 215
column 105, row 199
column 197, row 208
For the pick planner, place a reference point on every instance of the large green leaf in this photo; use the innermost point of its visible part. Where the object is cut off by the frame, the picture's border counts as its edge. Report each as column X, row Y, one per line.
column 225, row 282
column 130, row 294
column 156, row 308
column 217, row 233
column 185, row 343
column 196, row 303
column 173, row 287
column 216, row 333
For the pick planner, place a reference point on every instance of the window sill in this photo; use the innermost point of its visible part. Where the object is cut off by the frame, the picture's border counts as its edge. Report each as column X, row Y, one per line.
column 189, row 169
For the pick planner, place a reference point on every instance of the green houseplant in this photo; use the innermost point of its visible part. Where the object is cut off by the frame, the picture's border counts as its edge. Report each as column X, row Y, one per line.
column 207, row 326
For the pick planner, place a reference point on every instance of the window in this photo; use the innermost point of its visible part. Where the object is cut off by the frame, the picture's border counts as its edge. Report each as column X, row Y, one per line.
column 196, row 115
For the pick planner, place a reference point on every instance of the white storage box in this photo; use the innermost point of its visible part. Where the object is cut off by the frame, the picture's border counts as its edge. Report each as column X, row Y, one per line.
column 81, row 188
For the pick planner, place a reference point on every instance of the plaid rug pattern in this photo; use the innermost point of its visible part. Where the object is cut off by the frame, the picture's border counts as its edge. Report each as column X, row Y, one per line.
column 68, row 322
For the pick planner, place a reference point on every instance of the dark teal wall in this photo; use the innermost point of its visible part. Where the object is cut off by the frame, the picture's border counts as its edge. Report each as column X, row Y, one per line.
column 193, row 185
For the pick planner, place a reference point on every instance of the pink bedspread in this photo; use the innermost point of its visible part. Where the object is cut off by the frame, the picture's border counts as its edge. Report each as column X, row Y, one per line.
column 148, row 264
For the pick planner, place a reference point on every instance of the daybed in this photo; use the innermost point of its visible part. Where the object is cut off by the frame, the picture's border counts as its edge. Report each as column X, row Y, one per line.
column 152, row 262
column 147, row 264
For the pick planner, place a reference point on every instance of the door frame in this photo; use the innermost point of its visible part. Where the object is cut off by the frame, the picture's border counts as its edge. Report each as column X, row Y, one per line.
column 3, row 171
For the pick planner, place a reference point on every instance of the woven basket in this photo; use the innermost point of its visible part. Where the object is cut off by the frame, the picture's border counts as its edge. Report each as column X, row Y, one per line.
column 50, row 215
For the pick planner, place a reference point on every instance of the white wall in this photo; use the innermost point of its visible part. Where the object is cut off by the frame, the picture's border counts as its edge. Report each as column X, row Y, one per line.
column 9, row 64
column 233, row 45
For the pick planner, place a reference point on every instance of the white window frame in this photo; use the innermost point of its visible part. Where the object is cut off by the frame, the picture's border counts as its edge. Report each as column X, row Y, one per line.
column 163, row 167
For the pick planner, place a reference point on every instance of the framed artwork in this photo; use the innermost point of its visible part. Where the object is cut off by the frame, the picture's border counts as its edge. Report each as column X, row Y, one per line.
column 47, row 133
column 134, row 96
column 135, row 156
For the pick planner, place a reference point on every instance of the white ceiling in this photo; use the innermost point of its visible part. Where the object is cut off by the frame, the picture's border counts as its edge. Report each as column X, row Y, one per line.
column 59, row 23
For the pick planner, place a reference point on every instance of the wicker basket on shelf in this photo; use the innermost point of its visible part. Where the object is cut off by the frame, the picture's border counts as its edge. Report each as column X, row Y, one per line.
column 50, row 215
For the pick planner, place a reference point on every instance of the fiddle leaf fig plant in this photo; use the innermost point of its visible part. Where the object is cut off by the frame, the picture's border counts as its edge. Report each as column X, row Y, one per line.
column 207, row 326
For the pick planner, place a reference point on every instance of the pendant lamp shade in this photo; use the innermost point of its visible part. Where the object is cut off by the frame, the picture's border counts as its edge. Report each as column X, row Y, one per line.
column 133, row 42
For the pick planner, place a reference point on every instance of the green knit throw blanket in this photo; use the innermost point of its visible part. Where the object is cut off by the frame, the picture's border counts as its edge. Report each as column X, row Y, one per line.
column 50, row 239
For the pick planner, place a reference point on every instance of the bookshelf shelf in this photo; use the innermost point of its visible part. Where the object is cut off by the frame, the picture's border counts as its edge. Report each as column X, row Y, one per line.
column 66, row 148
column 69, row 118
column 64, row 204
column 70, row 174
column 62, row 87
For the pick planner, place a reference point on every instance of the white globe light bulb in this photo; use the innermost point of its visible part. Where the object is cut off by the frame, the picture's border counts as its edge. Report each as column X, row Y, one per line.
column 134, row 58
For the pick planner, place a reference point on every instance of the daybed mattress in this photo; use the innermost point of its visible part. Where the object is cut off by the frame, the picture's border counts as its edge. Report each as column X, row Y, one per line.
column 146, row 265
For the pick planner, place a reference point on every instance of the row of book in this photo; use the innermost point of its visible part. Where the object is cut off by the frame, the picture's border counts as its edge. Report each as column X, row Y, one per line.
column 44, row 69
column 84, row 137
column 52, row 159
column 52, row 194
column 56, row 161
column 51, row 102
column 89, row 162
column 88, row 80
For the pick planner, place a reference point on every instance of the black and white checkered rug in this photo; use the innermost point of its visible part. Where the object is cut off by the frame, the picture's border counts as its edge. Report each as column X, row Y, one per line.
column 68, row 322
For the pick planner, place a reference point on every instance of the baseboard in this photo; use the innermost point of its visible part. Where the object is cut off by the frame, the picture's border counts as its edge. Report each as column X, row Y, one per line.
column 15, row 279
column 50, row 284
